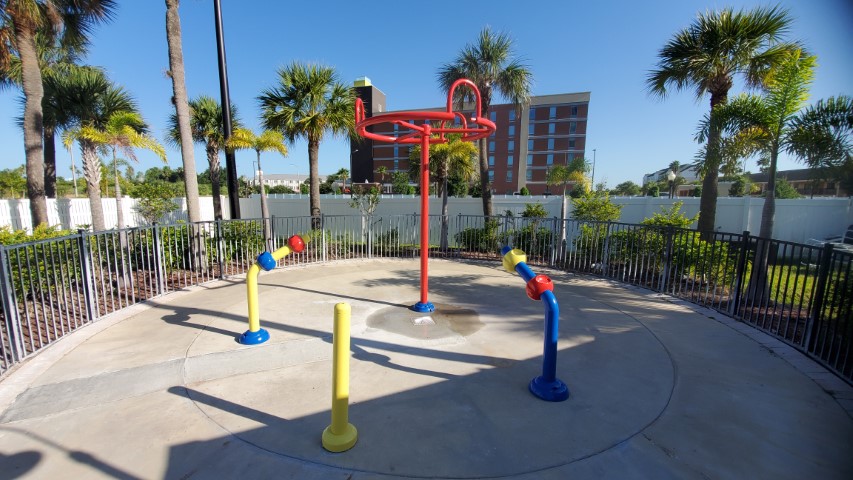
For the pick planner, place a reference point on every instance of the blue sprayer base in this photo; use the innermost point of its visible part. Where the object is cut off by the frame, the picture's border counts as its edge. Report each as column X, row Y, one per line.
column 423, row 307
column 254, row 338
column 554, row 391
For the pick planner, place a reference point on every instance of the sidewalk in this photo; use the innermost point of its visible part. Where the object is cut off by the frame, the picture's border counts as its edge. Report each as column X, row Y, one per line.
column 657, row 390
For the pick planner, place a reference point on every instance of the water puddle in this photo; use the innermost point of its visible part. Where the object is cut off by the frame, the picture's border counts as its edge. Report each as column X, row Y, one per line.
column 446, row 321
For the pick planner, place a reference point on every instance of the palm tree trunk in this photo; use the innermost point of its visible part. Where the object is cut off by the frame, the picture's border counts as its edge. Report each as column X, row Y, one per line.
column 33, row 117
column 444, row 218
column 265, row 211
column 759, row 287
column 215, row 174
column 182, row 109
column 314, row 175
column 49, row 161
column 92, row 172
column 708, row 201
column 484, row 179
column 119, row 210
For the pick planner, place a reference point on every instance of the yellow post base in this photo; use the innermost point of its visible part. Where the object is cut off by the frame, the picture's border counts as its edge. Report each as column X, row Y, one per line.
column 339, row 442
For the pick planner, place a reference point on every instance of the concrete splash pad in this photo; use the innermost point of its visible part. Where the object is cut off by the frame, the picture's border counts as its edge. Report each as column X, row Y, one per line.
column 657, row 390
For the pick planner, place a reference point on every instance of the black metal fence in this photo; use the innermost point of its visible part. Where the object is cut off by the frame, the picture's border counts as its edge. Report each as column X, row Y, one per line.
column 800, row 293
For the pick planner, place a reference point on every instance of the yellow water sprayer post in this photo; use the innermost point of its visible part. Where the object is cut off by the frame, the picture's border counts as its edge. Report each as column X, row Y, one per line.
column 340, row 435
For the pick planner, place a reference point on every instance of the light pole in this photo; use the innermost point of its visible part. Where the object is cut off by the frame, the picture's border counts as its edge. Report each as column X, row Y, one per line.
column 593, row 170
column 670, row 175
column 298, row 183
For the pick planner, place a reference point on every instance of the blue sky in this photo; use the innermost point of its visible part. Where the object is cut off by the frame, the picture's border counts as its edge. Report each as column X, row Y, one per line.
column 605, row 47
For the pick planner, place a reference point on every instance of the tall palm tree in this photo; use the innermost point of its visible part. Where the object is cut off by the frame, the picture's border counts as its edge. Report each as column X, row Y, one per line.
column 765, row 123
column 490, row 64
column 575, row 171
column 89, row 99
column 309, row 102
column 56, row 58
column 182, row 112
column 452, row 159
column 124, row 131
column 20, row 21
column 706, row 56
column 822, row 135
column 206, row 128
column 267, row 141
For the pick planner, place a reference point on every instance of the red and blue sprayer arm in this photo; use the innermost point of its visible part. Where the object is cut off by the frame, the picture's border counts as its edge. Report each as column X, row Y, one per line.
column 540, row 287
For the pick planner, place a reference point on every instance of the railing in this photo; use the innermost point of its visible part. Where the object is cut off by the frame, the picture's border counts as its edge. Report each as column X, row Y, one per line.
column 800, row 293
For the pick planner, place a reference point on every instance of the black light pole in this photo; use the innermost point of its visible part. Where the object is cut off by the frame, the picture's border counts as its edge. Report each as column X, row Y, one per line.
column 230, row 160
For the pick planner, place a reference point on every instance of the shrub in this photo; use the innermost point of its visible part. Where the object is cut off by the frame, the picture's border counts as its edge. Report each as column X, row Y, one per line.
column 41, row 267
column 479, row 239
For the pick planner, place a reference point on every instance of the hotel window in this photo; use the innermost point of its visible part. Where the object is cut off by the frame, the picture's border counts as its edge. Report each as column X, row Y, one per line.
column 512, row 115
column 492, row 146
column 573, row 126
column 491, row 160
column 550, row 160
column 529, row 159
column 530, row 145
column 511, row 130
column 550, row 144
column 491, row 175
column 396, row 164
column 509, row 160
column 396, row 149
column 552, row 127
column 552, row 112
column 575, row 111
column 510, row 146
column 530, row 129
column 493, row 116
column 571, row 143
column 533, row 114
column 509, row 175
column 570, row 157
column 529, row 175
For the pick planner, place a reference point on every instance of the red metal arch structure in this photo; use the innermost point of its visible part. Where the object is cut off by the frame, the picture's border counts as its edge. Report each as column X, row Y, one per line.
column 434, row 127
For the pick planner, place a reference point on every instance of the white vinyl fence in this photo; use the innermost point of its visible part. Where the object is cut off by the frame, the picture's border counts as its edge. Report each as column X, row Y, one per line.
column 796, row 220
column 74, row 213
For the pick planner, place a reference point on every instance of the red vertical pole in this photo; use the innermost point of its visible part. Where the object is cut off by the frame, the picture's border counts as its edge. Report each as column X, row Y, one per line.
column 425, row 214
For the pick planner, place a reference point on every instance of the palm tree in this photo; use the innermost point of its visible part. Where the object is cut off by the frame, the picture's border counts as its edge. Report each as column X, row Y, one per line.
column 382, row 171
column 342, row 175
column 125, row 131
column 20, row 21
column 822, row 135
column 575, row 171
column 308, row 102
column 765, row 123
column 182, row 112
column 206, row 128
column 707, row 56
column 267, row 141
column 89, row 99
column 452, row 159
column 489, row 63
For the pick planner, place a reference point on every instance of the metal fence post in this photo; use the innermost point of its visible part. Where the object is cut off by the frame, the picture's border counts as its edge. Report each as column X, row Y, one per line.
column 734, row 304
column 370, row 236
column 667, row 259
column 10, row 310
column 323, row 236
column 159, row 270
column 273, row 243
column 813, row 329
column 88, row 277
column 605, row 254
column 220, row 248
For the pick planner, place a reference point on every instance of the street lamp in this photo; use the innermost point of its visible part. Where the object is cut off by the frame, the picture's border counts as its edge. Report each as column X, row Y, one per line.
column 670, row 175
column 593, row 169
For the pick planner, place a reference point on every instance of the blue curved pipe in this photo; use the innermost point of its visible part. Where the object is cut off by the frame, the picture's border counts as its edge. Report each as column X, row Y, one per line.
column 547, row 386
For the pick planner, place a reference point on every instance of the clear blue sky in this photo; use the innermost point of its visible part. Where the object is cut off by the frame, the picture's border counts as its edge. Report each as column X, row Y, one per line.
column 605, row 47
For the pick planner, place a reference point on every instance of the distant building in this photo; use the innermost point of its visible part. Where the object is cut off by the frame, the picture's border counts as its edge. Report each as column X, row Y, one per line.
column 286, row 179
column 550, row 131
column 690, row 173
column 806, row 181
